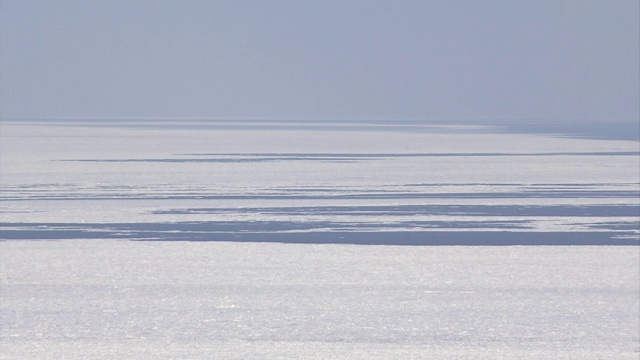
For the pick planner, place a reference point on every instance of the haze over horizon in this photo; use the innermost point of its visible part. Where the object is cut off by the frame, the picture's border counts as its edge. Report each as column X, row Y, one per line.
column 562, row 61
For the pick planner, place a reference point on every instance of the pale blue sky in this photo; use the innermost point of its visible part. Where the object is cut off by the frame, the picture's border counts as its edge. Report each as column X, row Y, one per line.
column 518, row 60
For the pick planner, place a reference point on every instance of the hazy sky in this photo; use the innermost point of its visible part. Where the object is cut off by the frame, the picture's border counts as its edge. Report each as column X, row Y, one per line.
column 324, row 59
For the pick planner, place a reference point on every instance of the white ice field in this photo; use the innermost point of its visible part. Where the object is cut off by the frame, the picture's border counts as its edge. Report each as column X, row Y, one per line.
column 291, row 240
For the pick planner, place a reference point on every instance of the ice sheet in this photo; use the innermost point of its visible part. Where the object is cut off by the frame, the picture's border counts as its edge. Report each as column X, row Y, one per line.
column 92, row 299
column 351, row 182
column 188, row 241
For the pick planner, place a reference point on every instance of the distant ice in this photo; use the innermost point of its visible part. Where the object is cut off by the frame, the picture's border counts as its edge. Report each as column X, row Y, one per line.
column 316, row 182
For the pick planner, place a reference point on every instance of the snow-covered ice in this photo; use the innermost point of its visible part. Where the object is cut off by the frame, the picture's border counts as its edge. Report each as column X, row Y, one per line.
column 236, row 240
column 315, row 182
column 100, row 299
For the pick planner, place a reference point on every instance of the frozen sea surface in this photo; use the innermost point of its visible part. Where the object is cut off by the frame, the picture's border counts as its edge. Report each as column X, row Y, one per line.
column 237, row 240
column 316, row 182
column 105, row 299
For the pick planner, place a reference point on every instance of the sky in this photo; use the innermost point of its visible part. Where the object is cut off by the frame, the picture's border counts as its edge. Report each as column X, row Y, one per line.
column 439, row 60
